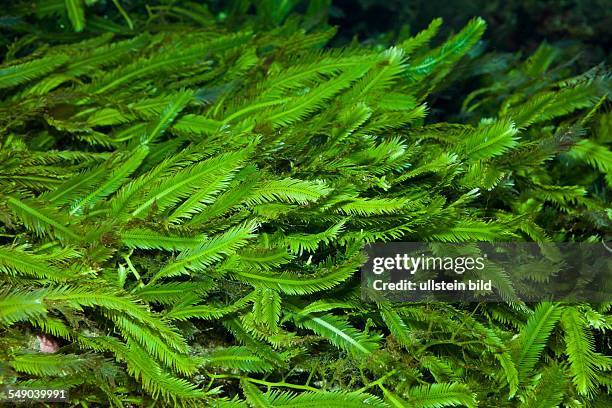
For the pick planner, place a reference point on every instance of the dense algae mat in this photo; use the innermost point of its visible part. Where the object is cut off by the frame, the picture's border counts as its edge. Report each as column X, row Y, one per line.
column 183, row 215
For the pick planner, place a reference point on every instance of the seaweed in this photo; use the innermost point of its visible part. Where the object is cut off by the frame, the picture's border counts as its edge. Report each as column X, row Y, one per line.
column 186, row 192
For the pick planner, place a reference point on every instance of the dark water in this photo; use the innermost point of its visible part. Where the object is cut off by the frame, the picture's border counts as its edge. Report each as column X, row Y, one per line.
column 513, row 24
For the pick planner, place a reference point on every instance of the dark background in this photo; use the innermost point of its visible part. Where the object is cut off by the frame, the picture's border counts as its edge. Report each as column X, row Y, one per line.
column 513, row 24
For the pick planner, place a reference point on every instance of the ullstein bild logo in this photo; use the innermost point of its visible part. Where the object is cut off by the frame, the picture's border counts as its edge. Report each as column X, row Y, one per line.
column 418, row 271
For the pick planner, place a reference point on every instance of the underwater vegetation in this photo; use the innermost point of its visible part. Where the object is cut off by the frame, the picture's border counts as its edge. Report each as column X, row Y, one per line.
column 186, row 191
